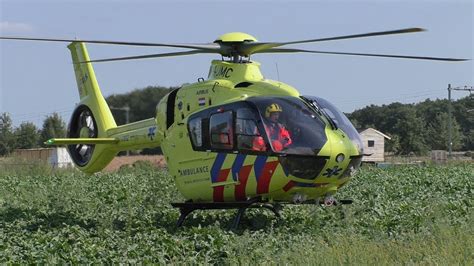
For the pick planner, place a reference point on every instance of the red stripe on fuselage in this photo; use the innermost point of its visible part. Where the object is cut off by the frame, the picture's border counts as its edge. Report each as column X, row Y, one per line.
column 218, row 195
column 263, row 184
column 288, row 186
column 243, row 177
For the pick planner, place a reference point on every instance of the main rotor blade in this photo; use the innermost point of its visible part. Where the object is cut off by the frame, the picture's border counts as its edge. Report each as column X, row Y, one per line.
column 290, row 50
column 250, row 48
column 149, row 56
column 208, row 46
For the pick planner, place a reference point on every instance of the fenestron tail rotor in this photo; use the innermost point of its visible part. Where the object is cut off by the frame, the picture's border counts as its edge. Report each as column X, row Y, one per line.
column 239, row 45
column 82, row 125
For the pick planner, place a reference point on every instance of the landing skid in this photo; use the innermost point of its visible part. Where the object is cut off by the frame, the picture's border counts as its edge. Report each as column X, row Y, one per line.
column 186, row 208
column 329, row 203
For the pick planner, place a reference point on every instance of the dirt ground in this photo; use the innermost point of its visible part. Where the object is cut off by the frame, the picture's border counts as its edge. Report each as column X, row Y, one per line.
column 117, row 162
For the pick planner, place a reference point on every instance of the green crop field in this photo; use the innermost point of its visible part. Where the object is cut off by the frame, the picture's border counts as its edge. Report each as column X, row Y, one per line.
column 400, row 215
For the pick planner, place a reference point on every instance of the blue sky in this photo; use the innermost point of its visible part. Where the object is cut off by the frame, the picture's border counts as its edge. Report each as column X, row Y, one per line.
column 37, row 79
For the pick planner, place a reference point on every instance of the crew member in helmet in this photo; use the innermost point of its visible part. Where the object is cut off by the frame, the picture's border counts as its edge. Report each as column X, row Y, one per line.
column 279, row 136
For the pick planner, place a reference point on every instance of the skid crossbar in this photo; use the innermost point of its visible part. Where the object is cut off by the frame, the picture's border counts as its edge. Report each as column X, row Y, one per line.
column 186, row 208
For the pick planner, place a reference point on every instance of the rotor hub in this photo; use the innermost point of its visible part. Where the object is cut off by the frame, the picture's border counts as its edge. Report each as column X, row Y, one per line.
column 231, row 46
column 235, row 37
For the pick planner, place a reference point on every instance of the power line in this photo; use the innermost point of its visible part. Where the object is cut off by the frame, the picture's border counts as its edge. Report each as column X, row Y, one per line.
column 372, row 100
column 403, row 97
column 44, row 112
column 464, row 88
column 400, row 96
column 470, row 89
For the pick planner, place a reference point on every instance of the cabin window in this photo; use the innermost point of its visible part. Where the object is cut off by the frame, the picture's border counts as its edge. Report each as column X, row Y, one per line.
column 248, row 134
column 195, row 131
column 371, row 143
column 221, row 131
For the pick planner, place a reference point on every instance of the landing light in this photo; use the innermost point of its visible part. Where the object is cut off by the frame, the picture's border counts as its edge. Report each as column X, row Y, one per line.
column 299, row 198
column 340, row 157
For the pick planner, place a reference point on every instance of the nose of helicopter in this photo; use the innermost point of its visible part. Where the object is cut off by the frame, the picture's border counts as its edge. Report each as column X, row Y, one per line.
column 338, row 159
column 344, row 155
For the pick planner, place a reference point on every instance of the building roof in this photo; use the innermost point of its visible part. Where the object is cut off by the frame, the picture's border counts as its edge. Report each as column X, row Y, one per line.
column 376, row 131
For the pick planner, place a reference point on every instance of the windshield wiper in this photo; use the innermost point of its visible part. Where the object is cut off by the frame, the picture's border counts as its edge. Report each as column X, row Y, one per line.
column 320, row 111
column 331, row 121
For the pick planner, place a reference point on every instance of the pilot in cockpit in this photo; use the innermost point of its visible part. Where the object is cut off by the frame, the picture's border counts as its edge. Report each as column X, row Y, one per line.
column 276, row 131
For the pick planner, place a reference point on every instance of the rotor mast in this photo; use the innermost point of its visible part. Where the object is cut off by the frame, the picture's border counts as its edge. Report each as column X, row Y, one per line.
column 237, row 59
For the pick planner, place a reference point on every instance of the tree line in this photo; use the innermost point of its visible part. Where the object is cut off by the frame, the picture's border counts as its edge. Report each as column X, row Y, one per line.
column 418, row 128
column 414, row 128
column 27, row 135
column 142, row 104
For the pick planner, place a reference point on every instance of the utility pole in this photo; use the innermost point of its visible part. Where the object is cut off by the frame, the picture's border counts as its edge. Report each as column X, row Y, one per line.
column 127, row 117
column 450, row 120
column 450, row 137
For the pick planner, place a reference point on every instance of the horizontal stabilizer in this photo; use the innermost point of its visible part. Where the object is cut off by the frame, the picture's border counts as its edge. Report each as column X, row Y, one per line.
column 72, row 141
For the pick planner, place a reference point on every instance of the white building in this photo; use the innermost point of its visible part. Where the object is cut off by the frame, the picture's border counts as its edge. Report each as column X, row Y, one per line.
column 374, row 144
column 56, row 157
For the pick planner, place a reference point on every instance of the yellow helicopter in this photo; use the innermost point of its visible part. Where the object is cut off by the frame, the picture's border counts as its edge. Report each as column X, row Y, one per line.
column 235, row 140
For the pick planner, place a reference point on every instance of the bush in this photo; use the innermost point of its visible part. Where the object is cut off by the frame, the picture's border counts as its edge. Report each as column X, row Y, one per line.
column 400, row 215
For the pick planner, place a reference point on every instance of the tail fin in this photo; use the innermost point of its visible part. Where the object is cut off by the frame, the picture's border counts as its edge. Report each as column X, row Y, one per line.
column 89, row 91
column 93, row 136
column 92, row 117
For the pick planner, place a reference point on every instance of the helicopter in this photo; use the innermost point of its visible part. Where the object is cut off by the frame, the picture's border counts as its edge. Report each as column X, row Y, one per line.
column 215, row 133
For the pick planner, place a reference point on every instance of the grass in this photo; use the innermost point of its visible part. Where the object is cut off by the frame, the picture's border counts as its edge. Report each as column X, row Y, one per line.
column 401, row 215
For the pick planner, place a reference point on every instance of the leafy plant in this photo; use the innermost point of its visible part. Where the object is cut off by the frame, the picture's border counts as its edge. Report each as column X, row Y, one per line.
column 407, row 214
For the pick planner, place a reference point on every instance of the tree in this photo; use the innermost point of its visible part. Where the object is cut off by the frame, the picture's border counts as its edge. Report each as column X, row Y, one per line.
column 463, row 112
column 7, row 141
column 430, row 110
column 410, row 128
column 393, row 144
column 27, row 136
column 370, row 116
column 469, row 140
column 53, row 127
column 142, row 103
column 438, row 133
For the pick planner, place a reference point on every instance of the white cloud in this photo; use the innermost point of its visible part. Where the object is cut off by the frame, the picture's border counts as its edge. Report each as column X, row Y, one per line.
column 14, row 27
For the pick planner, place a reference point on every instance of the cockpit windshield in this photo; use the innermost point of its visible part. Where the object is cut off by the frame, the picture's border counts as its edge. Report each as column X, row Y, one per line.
column 290, row 125
column 338, row 118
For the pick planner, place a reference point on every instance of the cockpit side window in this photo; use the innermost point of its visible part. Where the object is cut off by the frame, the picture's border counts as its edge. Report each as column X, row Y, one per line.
column 235, row 127
column 248, row 134
column 221, row 131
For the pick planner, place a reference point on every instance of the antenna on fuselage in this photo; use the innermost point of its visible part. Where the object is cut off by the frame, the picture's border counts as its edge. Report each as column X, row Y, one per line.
column 278, row 72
